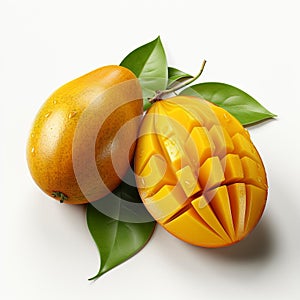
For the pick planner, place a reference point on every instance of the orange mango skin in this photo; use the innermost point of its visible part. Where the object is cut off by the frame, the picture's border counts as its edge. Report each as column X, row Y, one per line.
column 110, row 96
column 198, row 173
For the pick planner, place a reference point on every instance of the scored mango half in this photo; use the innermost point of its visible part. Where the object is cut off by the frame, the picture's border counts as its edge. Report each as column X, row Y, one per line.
column 198, row 173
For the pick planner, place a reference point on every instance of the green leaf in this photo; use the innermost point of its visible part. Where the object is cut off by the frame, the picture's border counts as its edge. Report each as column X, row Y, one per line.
column 241, row 105
column 149, row 64
column 175, row 76
column 116, row 239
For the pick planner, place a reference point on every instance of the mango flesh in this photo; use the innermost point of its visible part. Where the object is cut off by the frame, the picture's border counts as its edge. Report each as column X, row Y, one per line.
column 198, row 173
column 78, row 150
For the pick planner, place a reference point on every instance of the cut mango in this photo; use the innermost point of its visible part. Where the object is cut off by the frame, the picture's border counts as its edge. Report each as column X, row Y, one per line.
column 190, row 227
column 229, row 122
column 222, row 140
column 203, row 208
column 167, row 201
column 255, row 205
column 155, row 175
column 220, row 203
column 182, row 117
column 238, row 198
column 188, row 181
column 174, row 151
column 233, row 169
column 198, row 173
column 199, row 145
column 211, row 173
column 254, row 173
column 244, row 147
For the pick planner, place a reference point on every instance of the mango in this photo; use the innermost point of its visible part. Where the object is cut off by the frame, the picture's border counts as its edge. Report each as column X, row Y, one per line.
column 198, row 173
column 83, row 137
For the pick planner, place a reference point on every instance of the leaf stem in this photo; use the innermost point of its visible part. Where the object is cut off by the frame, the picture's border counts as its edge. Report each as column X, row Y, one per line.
column 159, row 94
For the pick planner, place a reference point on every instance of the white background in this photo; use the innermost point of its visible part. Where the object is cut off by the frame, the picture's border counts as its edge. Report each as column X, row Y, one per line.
column 46, row 249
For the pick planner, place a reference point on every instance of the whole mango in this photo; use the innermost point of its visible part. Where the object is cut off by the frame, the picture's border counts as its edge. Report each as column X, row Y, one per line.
column 83, row 137
column 198, row 173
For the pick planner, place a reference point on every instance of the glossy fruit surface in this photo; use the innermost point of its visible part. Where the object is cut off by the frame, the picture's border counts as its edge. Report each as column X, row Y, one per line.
column 77, row 151
column 198, row 173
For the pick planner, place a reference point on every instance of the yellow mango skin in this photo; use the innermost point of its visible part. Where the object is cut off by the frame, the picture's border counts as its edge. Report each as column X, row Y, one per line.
column 198, row 173
column 110, row 96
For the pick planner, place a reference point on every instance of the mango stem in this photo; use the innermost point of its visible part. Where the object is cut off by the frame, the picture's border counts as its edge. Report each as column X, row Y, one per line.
column 60, row 195
column 159, row 94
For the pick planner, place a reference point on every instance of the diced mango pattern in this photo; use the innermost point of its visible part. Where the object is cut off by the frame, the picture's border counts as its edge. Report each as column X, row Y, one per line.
column 198, row 173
